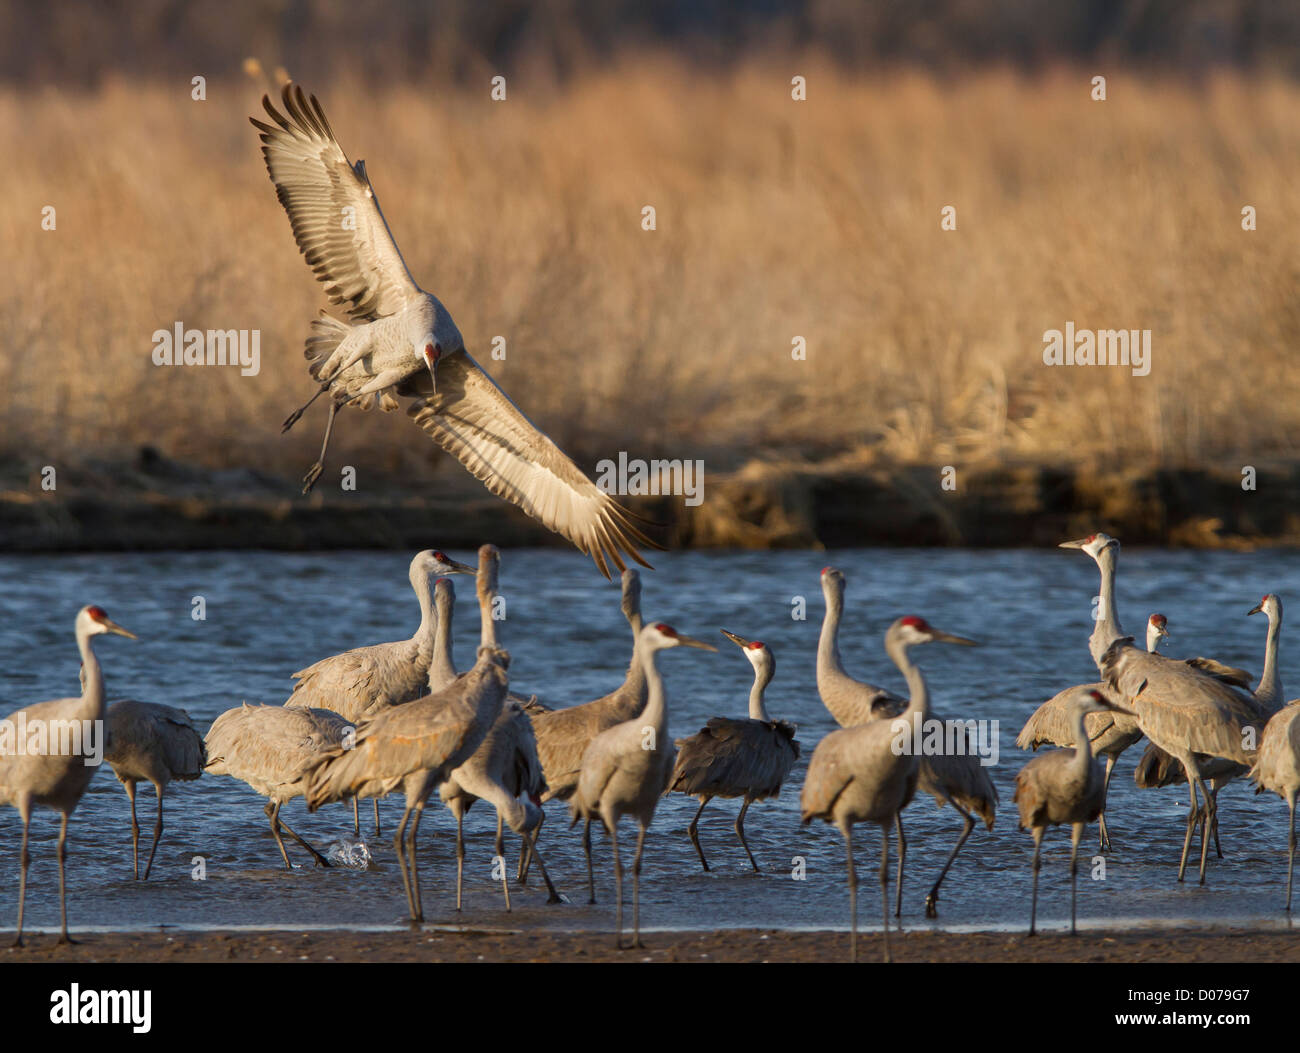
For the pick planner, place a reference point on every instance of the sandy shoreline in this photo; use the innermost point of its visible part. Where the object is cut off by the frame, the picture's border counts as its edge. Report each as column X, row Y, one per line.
column 742, row 945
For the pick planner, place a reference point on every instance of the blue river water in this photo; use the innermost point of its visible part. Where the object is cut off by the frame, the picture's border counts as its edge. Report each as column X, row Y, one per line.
column 268, row 614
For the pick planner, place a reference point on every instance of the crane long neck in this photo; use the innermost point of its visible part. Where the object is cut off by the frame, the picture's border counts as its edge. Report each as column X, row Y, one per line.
column 424, row 634
column 442, row 670
column 487, row 627
column 829, row 666
column 92, row 686
column 1269, row 691
column 1106, row 630
column 757, row 710
column 918, row 693
column 656, row 706
column 1082, row 744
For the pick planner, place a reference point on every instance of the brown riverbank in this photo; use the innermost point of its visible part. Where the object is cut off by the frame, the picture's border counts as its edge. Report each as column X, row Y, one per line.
column 153, row 502
column 747, row 945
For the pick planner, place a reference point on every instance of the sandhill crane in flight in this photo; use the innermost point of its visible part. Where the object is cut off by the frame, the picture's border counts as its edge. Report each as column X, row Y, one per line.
column 504, row 770
column 737, row 758
column 850, row 701
column 150, row 742
column 1277, row 768
column 272, row 749
column 1110, row 731
column 414, row 746
column 57, row 777
column 625, row 769
column 365, row 680
column 400, row 341
column 563, row 734
column 1158, row 769
column 1064, row 786
column 868, row 773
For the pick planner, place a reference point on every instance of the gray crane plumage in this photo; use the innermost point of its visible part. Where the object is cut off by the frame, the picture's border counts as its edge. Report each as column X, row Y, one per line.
column 869, row 772
column 1064, row 786
column 748, row 758
column 414, row 746
column 400, row 341
column 1277, row 768
column 150, row 742
column 625, row 770
column 850, row 701
column 56, row 778
column 272, row 749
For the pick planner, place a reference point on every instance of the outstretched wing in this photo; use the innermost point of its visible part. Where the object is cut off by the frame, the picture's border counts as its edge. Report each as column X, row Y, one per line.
column 473, row 419
column 333, row 209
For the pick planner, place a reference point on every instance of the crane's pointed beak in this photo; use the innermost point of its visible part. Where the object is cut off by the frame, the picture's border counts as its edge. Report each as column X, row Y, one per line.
column 1255, row 609
column 943, row 637
column 690, row 641
column 1073, row 544
column 113, row 627
column 431, row 360
column 456, row 567
column 739, row 641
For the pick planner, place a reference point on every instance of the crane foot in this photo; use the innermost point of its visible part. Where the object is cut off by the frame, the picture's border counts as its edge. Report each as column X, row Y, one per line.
column 931, row 906
column 313, row 473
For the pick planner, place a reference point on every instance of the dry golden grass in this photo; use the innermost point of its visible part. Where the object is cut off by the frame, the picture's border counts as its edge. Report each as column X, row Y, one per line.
column 775, row 219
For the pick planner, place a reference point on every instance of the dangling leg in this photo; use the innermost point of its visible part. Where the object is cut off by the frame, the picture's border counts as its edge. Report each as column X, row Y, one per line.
column 292, row 419
column 884, row 880
column 157, row 830
column 636, row 888
column 272, row 810
column 1104, row 835
column 129, row 787
column 1076, row 834
column 932, row 898
column 63, row 895
column 1207, row 824
column 740, row 832
column 1038, row 832
column 618, row 887
column 314, row 472
column 693, row 831
column 847, row 830
column 586, row 847
column 902, row 854
column 24, row 860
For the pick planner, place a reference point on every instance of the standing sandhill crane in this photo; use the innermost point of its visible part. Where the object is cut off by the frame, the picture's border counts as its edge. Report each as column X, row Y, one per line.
column 1277, row 768
column 504, row 770
column 57, row 774
column 625, row 770
column 364, row 680
column 1158, row 769
column 149, row 742
column 414, row 746
column 737, row 758
column 1064, row 786
column 850, row 701
column 869, row 772
column 1110, row 732
column 400, row 341
column 272, row 749
column 959, row 780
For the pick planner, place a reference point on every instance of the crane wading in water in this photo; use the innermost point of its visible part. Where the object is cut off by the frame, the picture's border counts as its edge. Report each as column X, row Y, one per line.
column 860, row 774
column 57, row 779
column 400, row 341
